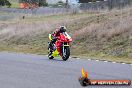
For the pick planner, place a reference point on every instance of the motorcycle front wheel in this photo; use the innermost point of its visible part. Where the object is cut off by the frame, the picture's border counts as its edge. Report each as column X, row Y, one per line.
column 65, row 53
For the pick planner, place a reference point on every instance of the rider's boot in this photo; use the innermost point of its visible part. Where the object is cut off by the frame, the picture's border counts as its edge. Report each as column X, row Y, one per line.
column 50, row 48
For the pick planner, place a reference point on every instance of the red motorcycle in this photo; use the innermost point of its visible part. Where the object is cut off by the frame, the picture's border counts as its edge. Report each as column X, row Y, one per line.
column 61, row 46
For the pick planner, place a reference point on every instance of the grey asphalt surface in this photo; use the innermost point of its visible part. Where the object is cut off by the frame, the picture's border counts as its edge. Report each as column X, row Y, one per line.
column 37, row 71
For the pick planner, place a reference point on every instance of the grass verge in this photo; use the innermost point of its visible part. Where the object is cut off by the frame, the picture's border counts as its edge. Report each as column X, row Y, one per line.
column 106, row 36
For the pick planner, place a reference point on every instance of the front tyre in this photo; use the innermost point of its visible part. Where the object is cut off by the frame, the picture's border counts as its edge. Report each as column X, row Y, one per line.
column 65, row 53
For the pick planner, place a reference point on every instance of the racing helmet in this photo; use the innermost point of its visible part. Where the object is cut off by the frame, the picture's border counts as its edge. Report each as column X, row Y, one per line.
column 62, row 29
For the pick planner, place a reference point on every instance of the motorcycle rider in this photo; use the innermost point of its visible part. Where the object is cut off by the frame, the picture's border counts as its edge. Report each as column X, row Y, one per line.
column 54, row 35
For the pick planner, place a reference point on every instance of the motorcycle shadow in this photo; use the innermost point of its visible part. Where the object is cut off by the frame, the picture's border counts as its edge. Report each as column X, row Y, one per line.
column 56, row 60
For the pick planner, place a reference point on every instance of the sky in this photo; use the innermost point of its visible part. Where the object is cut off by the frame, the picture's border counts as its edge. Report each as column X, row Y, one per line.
column 73, row 1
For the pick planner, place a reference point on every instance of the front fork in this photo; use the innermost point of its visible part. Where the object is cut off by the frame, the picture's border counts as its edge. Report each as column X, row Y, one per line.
column 63, row 50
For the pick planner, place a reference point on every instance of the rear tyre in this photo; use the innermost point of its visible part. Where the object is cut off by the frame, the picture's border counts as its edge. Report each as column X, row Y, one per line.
column 66, row 53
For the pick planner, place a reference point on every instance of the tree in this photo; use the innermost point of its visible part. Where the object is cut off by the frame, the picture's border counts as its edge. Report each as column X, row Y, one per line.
column 40, row 2
column 5, row 3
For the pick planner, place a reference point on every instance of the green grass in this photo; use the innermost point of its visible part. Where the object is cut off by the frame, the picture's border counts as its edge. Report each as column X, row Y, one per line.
column 15, row 3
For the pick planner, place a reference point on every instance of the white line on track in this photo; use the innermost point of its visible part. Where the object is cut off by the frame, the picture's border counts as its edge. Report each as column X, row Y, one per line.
column 105, row 61
column 96, row 60
column 123, row 63
column 78, row 58
column 113, row 62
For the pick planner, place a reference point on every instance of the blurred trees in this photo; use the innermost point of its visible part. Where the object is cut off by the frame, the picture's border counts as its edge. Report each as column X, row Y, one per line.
column 118, row 3
column 5, row 3
column 109, row 3
column 40, row 2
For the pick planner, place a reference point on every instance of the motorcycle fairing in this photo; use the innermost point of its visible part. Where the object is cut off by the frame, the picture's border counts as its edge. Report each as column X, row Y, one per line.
column 55, row 53
column 50, row 37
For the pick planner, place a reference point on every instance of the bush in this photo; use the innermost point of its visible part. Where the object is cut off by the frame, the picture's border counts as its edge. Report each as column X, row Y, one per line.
column 5, row 3
column 60, row 2
column 43, row 4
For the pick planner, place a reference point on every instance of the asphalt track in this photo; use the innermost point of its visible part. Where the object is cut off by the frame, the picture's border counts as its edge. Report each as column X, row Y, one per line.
column 36, row 71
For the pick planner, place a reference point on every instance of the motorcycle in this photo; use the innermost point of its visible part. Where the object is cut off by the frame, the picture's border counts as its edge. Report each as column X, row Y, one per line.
column 61, row 46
